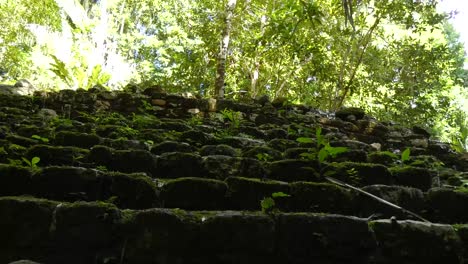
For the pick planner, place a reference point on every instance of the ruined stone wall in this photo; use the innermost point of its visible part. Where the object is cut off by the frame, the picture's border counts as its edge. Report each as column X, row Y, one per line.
column 150, row 177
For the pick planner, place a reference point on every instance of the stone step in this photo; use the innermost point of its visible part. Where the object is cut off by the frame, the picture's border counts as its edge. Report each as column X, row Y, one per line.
column 48, row 231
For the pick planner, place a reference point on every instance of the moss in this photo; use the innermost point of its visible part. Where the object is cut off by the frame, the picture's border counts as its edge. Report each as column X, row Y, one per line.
column 320, row 197
column 360, row 174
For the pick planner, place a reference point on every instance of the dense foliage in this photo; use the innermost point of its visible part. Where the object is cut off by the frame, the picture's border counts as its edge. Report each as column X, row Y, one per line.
column 400, row 60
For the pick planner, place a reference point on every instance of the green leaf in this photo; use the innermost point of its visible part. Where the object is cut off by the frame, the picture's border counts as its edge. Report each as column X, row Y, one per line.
column 322, row 155
column 34, row 161
column 405, row 155
column 333, row 151
column 26, row 161
column 279, row 194
column 307, row 155
column 267, row 204
column 304, row 140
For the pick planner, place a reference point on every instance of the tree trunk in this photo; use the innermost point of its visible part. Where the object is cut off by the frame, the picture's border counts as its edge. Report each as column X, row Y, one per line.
column 221, row 64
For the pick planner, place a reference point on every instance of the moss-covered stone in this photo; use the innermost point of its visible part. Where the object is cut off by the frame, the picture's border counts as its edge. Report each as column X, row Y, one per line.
column 296, row 153
column 282, row 144
column 24, row 225
column 174, row 125
column 262, row 153
column 14, row 180
column 101, row 155
column 346, row 113
column 293, row 170
column 411, row 199
column 171, row 146
column 324, row 239
column 416, row 242
column 85, row 230
column 160, row 236
column 134, row 161
column 246, row 193
column 133, row 191
column 177, row 165
column 359, row 174
column 416, row 177
column 220, row 167
column 353, row 155
column 220, row 149
column 382, row 157
column 51, row 155
column 462, row 231
column 75, row 139
column 197, row 138
column 22, row 141
column 240, row 142
column 236, row 233
column 447, row 205
column 30, row 130
column 67, row 184
column 276, row 133
column 320, row 198
column 194, row 194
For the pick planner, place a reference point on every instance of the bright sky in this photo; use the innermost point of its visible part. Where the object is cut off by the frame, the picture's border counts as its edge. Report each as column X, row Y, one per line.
column 460, row 21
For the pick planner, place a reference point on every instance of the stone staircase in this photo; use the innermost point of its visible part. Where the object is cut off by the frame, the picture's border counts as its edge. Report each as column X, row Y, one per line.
column 129, row 177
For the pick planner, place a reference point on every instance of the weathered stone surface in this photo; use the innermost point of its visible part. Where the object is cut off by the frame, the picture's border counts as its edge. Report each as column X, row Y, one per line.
column 160, row 236
column 237, row 233
column 197, row 138
column 411, row 199
column 171, row 146
column 420, row 178
column 81, row 140
column 220, row 149
column 133, row 191
column 359, row 174
column 24, row 225
column 447, row 206
column 51, row 155
column 178, row 165
column 23, row 261
column 240, row 142
column 134, row 161
column 262, row 153
column 324, row 239
column 282, row 144
column 416, row 242
column 382, row 157
column 293, row 170
column 68, row 184
column 220, row 167
column 194, row 194
column 351, row 113
column 84, row 231
column 246, row 193
column 14, row 180
column 462, row 231
column 320, row 198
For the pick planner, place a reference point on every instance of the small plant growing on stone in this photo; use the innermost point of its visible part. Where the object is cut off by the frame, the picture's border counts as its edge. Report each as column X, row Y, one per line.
column 264, row 157
column 405, row 155
column 195, row 120
column 325, row 150
column 32, row 163
column 268, row 204
column 102, row 168
column 233, row 117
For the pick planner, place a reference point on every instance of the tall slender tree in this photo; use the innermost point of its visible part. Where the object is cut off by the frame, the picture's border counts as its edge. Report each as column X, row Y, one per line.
column 223, row 50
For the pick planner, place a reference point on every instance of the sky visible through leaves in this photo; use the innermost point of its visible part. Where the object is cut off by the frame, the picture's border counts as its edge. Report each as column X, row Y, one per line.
column 460, row 20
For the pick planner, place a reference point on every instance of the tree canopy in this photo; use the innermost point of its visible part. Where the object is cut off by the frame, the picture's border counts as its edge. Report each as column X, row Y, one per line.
column 400, row 60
